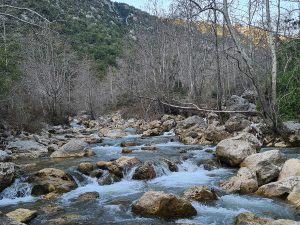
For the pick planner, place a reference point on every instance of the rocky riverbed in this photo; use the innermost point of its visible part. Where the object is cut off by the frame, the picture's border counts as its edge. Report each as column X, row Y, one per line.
column 174, row 170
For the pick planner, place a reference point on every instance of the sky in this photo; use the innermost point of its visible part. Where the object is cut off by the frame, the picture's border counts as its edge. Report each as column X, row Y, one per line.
column 142, row 4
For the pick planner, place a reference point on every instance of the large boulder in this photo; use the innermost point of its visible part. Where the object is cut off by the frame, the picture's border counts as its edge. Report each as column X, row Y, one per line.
column 290, row 168
column 236, row 123
column 200, row 193
column 22, row 215
column 294, row 196
column 266, row 165
column 237, row 103
column 244, row 182
column 250, row 219
column 51, row 180
column 191, row 121
column 164, row 205
column 233, row 151
column 288, row 187
column 74, row 148
column 27, row 149
column 7, row 175
column 144, row 172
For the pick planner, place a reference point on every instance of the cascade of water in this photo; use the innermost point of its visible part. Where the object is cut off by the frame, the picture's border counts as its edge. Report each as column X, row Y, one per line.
column 19, row 191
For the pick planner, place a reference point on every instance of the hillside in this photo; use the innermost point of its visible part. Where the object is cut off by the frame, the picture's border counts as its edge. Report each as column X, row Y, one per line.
column 94, row 28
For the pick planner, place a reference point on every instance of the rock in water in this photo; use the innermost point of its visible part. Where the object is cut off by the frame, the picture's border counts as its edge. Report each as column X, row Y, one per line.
column 200, row 193
column 266, row 165
column 74, row 148
column 289, row 187
column 128, row 144
column 88, row 196
column 164, row 205
column 279, row 188
column 233, row 151
column 127, row 162
column 5, row 220
column 22, row 215
column 85, row 168
column 7, row 175
column 144, row 172
column 149, row 148
column 244, row 182
column 103, row 165
column 108, row 179
column 290, row 168
column 251, row 219
column 50, row 180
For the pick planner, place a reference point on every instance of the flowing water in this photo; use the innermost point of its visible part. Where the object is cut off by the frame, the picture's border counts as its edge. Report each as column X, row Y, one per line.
column 114, row 204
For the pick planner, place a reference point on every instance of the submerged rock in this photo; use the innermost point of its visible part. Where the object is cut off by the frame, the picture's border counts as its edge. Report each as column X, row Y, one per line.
column 144, row 172
column 164, row 205
column 22, row 215
column 200, row 193
column 266, row 165
column 290, row 168
column 244, row 182
column 233, row 151
column 7, row 175
column 50, row 180
column 74, row 148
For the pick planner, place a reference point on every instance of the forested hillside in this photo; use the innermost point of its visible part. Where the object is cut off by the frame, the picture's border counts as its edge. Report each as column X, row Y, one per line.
column 188, row 113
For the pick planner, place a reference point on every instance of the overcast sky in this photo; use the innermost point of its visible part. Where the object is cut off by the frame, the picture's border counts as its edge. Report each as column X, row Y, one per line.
column 142, row 4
